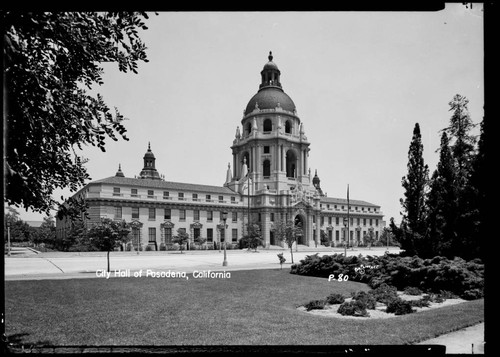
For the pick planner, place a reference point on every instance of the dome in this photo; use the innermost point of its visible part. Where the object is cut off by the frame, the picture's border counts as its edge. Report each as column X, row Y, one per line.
column 270, row 65
column 268, row 98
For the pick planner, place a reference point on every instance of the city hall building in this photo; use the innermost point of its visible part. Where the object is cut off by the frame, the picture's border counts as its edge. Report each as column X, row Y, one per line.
column 269, row 181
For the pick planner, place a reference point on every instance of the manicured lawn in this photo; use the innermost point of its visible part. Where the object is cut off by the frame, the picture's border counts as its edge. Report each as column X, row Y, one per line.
column 256, row 307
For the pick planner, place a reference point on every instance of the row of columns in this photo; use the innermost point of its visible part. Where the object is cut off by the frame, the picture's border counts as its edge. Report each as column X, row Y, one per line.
column 279, row 156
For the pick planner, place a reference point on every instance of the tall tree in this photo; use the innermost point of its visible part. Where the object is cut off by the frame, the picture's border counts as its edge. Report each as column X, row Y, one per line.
column 415, row 186
column 441, row 202
column 51, row 61
column 462, row 142
column 463, row 148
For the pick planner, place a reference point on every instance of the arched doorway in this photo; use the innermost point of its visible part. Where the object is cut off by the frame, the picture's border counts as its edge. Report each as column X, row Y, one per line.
column 300, row 221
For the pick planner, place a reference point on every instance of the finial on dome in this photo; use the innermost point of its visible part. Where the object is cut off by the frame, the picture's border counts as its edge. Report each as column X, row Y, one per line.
column 270, row 57
column 149, row 146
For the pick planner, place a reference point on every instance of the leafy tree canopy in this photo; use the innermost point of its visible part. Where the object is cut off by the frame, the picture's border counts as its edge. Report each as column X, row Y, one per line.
column 51, row 61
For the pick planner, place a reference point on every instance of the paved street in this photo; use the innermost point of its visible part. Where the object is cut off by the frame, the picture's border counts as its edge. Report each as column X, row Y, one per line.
column 85, row 265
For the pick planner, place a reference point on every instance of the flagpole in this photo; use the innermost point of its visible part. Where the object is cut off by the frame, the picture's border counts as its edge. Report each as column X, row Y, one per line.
column 348, row 218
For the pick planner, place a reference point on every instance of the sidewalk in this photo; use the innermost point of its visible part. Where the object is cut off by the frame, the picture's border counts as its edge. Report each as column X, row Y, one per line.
column 469, row 340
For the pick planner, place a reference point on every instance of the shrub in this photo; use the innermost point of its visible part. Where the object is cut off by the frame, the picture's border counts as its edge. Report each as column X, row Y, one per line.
column 423, row 302
column 174, row 246
column 447, row 294
column 411, row 290
column 472, row 294
column 385, row 293
column 437, row 298
column 368, row 300
column 399, row 306
column 353, row 308
column 148, row 248
column 315, row 305
column 335, row 299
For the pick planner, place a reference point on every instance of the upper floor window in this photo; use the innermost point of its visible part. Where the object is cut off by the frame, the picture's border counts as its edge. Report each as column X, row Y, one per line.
column 208, row 197
column 116, row 191
column 151, row 193
column 196, row 215
column 195, row 197
column 288, row 127
column 133, row 192
column 166, row 195
column 235, row 216
column 221, row 199
column 135, row 212
column 233, row 199
column 181, row 196
column 266, row 149
column 268, row 125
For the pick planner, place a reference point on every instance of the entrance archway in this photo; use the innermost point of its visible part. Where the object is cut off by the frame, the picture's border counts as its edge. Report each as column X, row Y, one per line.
column 300, row 221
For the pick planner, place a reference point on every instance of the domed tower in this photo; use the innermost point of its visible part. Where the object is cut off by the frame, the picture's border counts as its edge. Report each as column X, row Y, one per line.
column 149, row 170
column 270, row 162
column 272, row 139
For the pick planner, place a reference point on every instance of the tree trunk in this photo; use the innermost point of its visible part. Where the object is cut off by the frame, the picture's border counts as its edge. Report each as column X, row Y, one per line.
column 108, row 261
column 291, row 252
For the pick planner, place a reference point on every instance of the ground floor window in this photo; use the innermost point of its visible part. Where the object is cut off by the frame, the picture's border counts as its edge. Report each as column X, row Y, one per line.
column 152, row 234
column 330, row 236
column 222, row 235
column 168, row 235
column 136, row 236
column 337, row 236
column 196, row 233
column 210, row 235
column 118, row 213
column 235, row 235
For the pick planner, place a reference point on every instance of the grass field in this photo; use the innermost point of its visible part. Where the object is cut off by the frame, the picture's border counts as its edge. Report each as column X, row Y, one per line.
column 255, row 307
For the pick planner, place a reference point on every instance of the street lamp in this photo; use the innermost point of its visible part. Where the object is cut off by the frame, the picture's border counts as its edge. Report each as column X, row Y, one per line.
column 224, row 217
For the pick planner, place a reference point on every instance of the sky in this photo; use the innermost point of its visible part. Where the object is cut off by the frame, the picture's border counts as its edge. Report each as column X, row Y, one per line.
column 359, row 80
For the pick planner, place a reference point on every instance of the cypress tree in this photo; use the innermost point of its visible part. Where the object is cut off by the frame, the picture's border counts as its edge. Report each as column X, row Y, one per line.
column 415, row 186
column 441, row 203
column 462, row 146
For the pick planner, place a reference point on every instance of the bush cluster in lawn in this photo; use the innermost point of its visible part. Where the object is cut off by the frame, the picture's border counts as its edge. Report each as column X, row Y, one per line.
column 399, row 306
column 411, row 290
column 335, row 299
column 353, row 308
column 367, row 299
column 465, row 279
column 315, row 305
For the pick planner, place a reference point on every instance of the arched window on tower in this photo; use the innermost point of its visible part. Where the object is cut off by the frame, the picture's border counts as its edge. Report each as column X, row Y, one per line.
column 268, row 125
column 288, row 127
column 248, row 128
column 266, row 168
column 291, row 162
